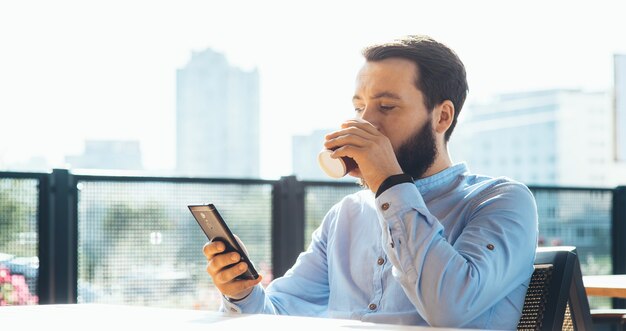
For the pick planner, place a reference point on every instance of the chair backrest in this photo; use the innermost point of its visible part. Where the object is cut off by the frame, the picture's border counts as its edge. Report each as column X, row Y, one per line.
column 556, row 298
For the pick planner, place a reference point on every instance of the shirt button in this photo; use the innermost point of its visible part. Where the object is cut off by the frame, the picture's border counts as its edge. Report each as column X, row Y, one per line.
column 372, row 306
column 380, row 261
column 385, row 206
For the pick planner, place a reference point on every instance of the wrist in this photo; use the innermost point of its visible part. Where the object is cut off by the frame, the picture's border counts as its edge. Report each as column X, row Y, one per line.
column 231, row 299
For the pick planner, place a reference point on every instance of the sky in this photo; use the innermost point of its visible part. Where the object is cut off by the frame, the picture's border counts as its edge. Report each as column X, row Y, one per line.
column 77, row 70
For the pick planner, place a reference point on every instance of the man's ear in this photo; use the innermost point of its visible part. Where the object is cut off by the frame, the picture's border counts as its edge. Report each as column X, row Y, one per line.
column 443, row 115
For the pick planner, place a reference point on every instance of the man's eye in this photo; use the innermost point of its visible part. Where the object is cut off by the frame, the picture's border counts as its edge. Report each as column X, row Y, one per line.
column 358, row 109
column 386, row 108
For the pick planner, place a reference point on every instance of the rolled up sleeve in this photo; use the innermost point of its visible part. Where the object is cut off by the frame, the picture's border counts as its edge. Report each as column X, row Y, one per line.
column 452, row 283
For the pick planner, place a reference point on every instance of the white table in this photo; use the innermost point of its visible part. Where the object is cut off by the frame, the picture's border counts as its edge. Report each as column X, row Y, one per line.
column 606, row 285
column 116, row 318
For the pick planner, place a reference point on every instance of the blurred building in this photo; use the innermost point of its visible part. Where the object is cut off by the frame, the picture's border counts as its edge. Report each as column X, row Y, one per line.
column 619, row 67
column 217, row 118
column 304, row 154
column 619, row 89
column 108, row 154
column 552, row 137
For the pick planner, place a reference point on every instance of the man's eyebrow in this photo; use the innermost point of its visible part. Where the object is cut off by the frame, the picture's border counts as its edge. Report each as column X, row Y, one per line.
column 389, row 95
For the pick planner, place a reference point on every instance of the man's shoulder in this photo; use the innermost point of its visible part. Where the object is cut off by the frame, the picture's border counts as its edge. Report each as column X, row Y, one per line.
column 358, row 198
column 486, row 187
column 495, row 183
column 353, row 203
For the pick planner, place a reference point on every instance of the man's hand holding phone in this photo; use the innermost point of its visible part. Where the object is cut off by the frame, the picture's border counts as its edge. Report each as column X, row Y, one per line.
column 224, row 267
column 228, row 264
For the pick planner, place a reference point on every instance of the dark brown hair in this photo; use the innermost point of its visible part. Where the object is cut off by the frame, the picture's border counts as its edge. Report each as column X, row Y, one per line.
column 440, row 73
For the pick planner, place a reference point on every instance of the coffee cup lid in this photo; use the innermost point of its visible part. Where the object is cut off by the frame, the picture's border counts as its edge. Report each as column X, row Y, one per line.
column 334, row 168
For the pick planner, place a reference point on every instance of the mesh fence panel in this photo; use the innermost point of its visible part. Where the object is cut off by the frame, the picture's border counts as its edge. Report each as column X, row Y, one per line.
column 139, row 244
column 19, row 263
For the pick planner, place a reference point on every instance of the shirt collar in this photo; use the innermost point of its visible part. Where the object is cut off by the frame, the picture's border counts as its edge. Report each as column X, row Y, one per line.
column 442, row 179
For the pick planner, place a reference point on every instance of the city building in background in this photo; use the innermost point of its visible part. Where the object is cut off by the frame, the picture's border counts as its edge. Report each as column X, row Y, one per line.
column 304, row 154
column 217, row 118
column 108, row 154
column 619, row 65
column 551, row 137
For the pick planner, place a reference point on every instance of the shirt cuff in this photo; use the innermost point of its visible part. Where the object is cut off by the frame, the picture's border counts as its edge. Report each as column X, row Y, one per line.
column 393, row 180
column 398, row 200
column 239, row 306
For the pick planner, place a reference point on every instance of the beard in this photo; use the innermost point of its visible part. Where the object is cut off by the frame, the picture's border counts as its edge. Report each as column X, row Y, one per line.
column 417, row 153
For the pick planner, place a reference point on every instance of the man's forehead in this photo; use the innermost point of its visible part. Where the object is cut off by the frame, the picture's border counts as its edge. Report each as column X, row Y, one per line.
column 389, row 69
column 389, row 65
column 385, row 79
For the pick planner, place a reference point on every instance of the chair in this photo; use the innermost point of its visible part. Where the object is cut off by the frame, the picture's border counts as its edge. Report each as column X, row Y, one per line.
column 556, row 298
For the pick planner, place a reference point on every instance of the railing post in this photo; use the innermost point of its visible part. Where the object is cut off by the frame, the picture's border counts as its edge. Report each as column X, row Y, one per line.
column 45, row 285
column 287, row 223
column 618, row 240
column 58, row 239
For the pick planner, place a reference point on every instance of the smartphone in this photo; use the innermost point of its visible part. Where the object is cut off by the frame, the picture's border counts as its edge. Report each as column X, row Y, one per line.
column 215, row 228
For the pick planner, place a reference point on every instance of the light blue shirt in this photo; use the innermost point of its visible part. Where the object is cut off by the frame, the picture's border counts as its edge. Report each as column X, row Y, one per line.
column 453, row 250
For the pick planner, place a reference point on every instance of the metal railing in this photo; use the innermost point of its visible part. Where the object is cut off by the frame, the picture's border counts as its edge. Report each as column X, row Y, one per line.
column 131, row 239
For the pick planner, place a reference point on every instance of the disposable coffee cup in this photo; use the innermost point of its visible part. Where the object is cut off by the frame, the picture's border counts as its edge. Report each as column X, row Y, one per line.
column 335, row 168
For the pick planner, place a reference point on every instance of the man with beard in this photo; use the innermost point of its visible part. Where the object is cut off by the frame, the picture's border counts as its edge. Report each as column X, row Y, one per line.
column 428, row 243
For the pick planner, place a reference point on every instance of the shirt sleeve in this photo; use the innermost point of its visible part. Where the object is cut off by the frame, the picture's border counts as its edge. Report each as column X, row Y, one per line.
column 451, row 284
column 302, row 291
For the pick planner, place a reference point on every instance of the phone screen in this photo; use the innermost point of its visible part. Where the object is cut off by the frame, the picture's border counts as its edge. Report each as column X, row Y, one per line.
column 215, row 228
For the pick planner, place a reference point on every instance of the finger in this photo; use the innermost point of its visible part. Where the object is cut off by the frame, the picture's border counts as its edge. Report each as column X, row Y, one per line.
column 345, row 125
column 344, row 131
column 248, row 283
column 221, row 261
column 361, row 124
column 229, row 274
column 354, row 127
column 351, row 136
column 239, row 288
column 349, row 130
column 212, row 248
column 347, row 150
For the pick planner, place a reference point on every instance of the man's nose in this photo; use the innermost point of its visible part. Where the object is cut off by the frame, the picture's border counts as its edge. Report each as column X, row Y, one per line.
column 370, row 115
